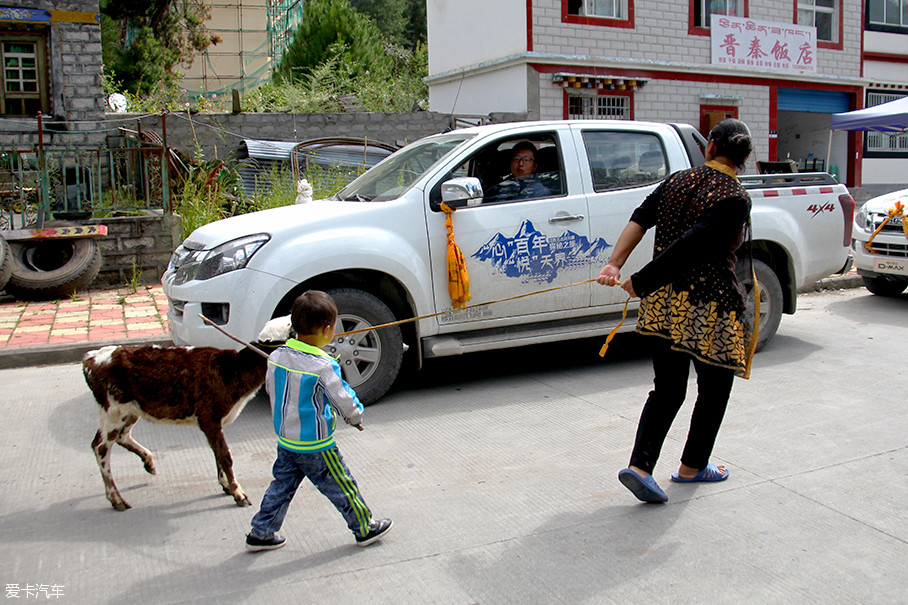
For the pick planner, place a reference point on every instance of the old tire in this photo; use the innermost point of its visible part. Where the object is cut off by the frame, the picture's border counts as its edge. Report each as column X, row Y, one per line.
column 370, row 361
column 771, row 299
column 6, row 263
column 883, row 286
column 53, row 268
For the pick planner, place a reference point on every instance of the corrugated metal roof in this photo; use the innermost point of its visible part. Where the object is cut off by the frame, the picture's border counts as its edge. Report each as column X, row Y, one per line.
column 266, row 150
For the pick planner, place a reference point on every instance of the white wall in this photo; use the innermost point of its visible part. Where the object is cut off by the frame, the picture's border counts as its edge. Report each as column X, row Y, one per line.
column 495, row 90
column 885, row 170
column 467, row 32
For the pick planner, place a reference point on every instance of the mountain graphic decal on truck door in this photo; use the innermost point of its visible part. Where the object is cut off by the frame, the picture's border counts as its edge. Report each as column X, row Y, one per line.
column 532, row 256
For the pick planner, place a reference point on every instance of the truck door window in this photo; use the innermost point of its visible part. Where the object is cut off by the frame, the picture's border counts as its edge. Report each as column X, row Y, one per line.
column 624, row 159
column 513, row 169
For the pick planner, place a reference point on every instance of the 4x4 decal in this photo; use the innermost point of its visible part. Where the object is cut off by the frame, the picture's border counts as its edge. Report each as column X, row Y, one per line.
column 532, row 256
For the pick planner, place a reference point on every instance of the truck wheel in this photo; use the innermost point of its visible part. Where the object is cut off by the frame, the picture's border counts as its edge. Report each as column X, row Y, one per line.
column 6, row 263
column 370, row 361
column 52, row 268
column 771, row 300
column 883, row 286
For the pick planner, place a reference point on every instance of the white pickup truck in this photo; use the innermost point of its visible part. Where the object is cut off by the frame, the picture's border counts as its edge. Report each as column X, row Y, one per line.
column 880, row 246
column 379, row 246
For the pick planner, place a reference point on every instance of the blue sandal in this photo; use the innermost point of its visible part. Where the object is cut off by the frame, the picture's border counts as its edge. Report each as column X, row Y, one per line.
column 645, row 488
column 709, row 474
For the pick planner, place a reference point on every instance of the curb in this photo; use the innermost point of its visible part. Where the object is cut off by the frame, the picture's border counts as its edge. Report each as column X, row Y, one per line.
column 23, row 357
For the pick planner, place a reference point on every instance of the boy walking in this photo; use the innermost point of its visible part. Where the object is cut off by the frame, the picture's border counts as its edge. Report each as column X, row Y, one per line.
column 305, row 387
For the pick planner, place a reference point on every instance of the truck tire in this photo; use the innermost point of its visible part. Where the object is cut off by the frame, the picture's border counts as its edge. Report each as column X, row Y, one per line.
column 6, row 263
column 883, row 286
column 771, row 299
column 370, row 361
column 53, row 268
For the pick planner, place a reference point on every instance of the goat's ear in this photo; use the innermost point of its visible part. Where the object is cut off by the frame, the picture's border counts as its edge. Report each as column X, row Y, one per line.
column 276, row 330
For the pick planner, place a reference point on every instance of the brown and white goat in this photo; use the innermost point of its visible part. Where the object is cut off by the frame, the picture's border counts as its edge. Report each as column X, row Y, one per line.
column 201, row 386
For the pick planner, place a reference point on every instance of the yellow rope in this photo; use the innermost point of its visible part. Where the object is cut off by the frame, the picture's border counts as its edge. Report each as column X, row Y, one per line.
column 897, row 211
column 490, row 302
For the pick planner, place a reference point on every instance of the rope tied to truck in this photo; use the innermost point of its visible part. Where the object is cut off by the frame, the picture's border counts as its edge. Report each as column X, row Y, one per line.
column 898, row 211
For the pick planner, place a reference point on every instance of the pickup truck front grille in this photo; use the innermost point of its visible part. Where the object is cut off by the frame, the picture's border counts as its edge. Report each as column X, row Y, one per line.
column 897, row 250
column 894, row 225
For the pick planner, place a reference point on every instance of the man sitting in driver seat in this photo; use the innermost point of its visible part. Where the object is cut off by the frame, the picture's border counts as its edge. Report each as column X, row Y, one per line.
column 522, row 182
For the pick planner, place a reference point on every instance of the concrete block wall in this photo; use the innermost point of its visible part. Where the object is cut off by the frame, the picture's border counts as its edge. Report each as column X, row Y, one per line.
column 221, row 134
column 137, row 244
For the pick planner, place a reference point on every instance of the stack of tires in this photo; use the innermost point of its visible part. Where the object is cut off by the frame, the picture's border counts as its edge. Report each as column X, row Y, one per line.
column 48, row 269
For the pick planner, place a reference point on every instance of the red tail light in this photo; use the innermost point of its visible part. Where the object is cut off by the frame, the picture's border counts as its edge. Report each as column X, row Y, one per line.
column 847, row 203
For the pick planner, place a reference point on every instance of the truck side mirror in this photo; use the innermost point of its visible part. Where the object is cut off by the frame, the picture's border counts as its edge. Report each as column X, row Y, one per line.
column 462, row 191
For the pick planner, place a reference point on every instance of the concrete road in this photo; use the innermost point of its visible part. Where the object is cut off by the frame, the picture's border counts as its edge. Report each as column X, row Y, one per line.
column 499, row 471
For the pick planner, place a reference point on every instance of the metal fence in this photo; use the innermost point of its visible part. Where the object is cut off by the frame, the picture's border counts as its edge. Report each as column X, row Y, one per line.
column 74, row 184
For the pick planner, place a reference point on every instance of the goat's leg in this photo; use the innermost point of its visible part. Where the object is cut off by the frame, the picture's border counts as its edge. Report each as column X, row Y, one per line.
column 101, row 445
column 224, row 462
column 126, row 440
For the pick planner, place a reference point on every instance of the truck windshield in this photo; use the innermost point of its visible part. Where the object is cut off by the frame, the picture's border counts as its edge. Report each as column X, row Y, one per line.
column 394, row 175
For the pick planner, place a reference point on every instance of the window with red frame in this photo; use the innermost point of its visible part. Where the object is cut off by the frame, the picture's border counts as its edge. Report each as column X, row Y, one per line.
column 826, row 16
column 616, row 13
column 702, row 10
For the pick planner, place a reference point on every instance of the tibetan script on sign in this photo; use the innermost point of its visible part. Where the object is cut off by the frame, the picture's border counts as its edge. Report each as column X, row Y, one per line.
column 750, row 44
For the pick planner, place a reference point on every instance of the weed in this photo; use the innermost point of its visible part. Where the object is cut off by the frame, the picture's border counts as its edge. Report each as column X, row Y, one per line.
column 136, row 278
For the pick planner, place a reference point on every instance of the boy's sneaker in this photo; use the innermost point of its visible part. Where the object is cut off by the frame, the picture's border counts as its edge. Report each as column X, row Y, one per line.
column 377, row 529
column 254, row 544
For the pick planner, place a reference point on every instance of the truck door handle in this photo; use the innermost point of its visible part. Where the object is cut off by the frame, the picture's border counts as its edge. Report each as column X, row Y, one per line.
column 566, row 218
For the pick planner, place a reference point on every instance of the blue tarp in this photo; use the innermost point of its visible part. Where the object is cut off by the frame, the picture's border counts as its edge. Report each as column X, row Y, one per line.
column 891, row 117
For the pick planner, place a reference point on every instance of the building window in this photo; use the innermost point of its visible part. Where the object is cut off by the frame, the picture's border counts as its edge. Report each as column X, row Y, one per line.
column 598, row 107
column 615, row 13
column 887, row 145
column 702, row 10
column 825, row 16
column 24, row 90
column 887, row 15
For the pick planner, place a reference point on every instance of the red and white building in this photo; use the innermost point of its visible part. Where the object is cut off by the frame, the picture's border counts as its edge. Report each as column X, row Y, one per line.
column 782, row 66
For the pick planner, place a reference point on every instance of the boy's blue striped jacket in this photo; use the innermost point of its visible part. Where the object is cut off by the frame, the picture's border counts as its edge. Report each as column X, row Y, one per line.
column 306, row 389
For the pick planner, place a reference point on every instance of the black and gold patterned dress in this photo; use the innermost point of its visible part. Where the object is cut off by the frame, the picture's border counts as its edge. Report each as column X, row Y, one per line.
column 689, row 292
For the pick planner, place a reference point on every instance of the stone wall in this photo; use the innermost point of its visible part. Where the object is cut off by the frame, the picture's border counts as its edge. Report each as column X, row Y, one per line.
column 76, row 96
column 219, row 135
column 138, row 246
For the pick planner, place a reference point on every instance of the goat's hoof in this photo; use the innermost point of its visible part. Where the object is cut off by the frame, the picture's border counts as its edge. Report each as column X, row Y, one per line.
column 150, row 469
column 120, row 506
column 244, row 501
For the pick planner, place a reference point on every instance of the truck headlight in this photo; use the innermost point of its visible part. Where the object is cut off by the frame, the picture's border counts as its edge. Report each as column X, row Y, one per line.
column 190, row 264
column 860, row 219
column 230, row 256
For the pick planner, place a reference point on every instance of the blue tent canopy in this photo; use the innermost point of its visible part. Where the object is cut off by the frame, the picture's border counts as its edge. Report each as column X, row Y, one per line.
column 891, row 117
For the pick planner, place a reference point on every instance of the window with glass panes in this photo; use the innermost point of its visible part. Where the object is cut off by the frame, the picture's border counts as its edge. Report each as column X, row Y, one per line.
column 612, row 9
column 23, row 76
column 892, row 13
column 823, row 14
column 878, row 141
column 704, row 8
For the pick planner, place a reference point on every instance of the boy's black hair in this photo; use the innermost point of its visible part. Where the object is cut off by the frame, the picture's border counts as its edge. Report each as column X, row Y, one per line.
column 312, row 311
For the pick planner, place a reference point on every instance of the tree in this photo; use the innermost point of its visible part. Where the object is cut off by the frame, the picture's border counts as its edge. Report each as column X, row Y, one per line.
column 330, row 27
column 400, row 21
column 144, row 41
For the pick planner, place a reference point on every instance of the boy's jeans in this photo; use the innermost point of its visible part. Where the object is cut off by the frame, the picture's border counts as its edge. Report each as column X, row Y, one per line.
column 327, row 471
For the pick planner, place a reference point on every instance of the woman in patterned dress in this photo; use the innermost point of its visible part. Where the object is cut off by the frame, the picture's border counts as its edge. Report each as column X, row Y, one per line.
column 691, row 302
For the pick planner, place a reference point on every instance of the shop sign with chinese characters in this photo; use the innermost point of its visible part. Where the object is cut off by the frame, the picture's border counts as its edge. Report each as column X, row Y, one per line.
column 751, row 44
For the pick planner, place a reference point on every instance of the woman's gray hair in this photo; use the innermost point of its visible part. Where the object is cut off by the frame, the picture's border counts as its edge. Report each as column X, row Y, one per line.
column 732, row 138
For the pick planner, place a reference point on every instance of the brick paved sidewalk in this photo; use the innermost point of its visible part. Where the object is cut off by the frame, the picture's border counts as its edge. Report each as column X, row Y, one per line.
column 96, row 315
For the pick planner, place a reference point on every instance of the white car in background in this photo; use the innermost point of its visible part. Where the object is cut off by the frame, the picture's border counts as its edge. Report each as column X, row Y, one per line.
column 883, row 264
